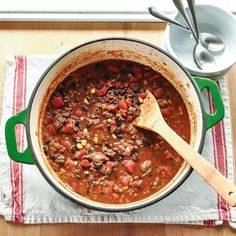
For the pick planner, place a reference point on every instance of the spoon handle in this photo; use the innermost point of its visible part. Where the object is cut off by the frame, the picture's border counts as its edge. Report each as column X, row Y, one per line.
column 164, row 17
column 224, row 187
column 179, row 5
column 192, row 8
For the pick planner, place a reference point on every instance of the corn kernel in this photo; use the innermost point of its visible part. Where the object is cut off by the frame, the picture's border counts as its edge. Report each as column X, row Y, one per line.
column 81, row 118
column 93, row 91
column 85, row 131
column 114, row 136
column 84, row 142
column 96, row 139
column 79, row 146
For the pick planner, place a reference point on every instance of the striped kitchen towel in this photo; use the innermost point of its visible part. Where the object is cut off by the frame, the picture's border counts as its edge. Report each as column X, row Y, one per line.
column 26, row 197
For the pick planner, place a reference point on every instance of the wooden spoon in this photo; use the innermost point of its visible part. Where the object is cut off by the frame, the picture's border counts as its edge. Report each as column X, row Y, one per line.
column 152, row 119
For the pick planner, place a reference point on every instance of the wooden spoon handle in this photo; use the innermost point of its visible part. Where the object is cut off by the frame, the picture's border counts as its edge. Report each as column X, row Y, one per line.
column 222, row 186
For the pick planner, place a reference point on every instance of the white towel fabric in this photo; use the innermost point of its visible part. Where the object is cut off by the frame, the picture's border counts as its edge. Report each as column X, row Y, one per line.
column 25, row 196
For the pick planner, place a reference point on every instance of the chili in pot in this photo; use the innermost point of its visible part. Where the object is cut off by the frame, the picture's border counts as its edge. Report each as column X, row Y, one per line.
column 89, row 139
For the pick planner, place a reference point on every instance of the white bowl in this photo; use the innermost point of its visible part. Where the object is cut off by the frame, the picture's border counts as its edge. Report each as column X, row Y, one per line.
column 180, row 43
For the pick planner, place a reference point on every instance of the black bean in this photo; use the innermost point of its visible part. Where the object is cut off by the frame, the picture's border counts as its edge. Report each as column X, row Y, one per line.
column 74, row 149
column 85, row 108
column 119, row 136
column 95, row 116
column 116, row 92
column 135, row 89
column 62, row 91
column 68, row 105
column 45, row 149
column 52, row 156
column 119, row 120
column 147, row 142
column 74, row 136
column 77, row 123
column 122, row 91
column 77, row 99
column 106, row 75
column 47, row 140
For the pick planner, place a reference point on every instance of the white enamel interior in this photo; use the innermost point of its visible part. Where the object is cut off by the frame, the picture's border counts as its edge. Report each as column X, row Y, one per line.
column 115, row 49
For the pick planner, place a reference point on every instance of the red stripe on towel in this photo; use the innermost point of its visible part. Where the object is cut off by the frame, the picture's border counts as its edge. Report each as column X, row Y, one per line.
column 220, row 158
column 11, row 162
column 16, row 168
column 209, row 222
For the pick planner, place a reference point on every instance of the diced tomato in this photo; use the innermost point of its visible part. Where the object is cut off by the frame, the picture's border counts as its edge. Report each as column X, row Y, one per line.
column 109, row 164
column 136, row 69
column 158, row 93
column 134, row 79
column 147, row 68
column 125, row 179
column 130, row 165
column 123, row 112
column 68, row 129
column 100, row 126
column 57, row 102
column 69, row 164
column 138, row 75
column 79, row 154
column 78, row 113
column 111, row 108
column 66, row 143
column 126, row 84
column 128, row 102
column 113, row 122
column 130, row 118
column 123, row 105
column 85, row 163
column 118, row 85
column 51, row 129
column 137, row 72
column 166, row 112
column 112, row 68
column 79, row 134
column 156, row 76
column 103, row 90
column 142, row 95
column 48, row 119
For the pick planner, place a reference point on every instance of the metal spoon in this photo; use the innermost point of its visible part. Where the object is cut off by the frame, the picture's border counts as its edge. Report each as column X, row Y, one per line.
column 202, row 57
column 211, row 42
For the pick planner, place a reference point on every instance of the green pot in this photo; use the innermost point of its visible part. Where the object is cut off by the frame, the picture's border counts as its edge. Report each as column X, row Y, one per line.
column 113, row 48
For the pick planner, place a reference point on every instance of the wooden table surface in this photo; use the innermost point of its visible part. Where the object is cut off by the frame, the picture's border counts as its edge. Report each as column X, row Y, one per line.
column 56, row 38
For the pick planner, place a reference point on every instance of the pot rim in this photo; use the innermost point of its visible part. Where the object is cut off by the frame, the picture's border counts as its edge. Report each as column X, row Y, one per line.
column 112, row 208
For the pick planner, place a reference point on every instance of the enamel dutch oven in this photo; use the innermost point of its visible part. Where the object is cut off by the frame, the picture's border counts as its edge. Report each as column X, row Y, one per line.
column 102, row 49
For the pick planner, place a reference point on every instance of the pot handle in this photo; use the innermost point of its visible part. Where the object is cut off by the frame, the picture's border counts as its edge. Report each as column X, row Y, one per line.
column 10, row 136
column 212, row 119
